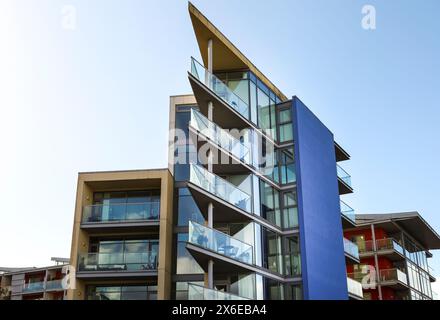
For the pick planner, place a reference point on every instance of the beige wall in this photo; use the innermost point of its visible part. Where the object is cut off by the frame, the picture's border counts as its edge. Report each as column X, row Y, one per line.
column 125, row 180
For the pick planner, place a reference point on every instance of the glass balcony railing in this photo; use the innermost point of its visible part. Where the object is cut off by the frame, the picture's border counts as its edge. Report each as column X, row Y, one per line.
column 389, row 244
column 343, row 175
column 121, row 212
column 392, row 275
column 220, row 136
column 33, row 286
column 354, row 287
column 219, row 88
column 196, row 292
column 351, row 248
column 136, row 261
column 348, row 211
column 54, row 285
column 219, row 242
column 381, row 245
column 219, row 187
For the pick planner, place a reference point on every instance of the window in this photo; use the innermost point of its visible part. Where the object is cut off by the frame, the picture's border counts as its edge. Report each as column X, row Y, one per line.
column 292, row 260
column 185, row 263
column 270, row 203
column 272, row 249
column 125, row 205
column 290, row 210
column 287, row 165
column 187, row 209
column 285, row 125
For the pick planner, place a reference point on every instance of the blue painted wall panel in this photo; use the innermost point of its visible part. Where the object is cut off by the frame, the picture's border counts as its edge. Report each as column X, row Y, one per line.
column 321, row 235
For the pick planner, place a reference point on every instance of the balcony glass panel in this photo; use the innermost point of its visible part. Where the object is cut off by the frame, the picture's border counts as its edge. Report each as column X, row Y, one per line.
column 348, row 211
column 392, row 275
column 220, row 136
column 351, row 248
column 354, row 287
column 91, row 262
column 196, row 292
column 365, row 246
column 33, row 286
column 343, row 175
column 220, row 243
column 121, row 212
column 389, row 244
column 219, row 187
column 54, row 285
column 219, row 88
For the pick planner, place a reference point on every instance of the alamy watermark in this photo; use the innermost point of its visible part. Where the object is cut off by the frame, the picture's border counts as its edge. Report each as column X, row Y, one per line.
column 368, row 21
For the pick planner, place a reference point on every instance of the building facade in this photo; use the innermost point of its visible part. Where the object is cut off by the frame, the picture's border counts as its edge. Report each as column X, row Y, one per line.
column 33, row 283
column 394, row 254
column 249, row 208
column 121, row 241
column 257, row 186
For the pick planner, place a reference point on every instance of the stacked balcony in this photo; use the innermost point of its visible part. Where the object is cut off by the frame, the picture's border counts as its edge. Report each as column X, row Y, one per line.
column 114, row 215
column 394, row 278
column 354, row 289
column 196, row 292
column 348, row 215
column 229, row 254
column 33, row 287
column 240, row 157
column 344, row 180
column 98, row 265
column 388, row 247
column 229, row 109
column 351, row 251
column 234, row 204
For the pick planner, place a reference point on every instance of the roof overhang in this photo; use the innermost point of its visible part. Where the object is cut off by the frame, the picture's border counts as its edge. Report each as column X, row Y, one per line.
column 225, row 55
column 411, row 222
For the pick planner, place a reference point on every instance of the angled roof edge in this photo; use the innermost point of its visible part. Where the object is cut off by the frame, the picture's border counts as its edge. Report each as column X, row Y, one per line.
column 196, row 14
column 404, row 217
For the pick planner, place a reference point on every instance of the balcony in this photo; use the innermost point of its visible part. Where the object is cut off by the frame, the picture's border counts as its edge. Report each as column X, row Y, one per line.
column 121, row 214
column 348, row 215
column 393, row 278
column 354, row 289
column 220, row 243
column 385, row 247
column 220, row 137
column 114, row 264
column 234, row 204
column 32, row 287
column 351, row 251
column 230, row 111
column 196, row 292
column 344, row 180
column 54, row 285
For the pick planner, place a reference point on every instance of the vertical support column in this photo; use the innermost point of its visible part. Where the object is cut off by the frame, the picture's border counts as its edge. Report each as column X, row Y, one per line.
column 210, row 169
column 376, row 262
column 210, row 49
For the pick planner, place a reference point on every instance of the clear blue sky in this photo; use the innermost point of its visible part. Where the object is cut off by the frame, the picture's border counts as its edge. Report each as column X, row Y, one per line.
column 97, row 98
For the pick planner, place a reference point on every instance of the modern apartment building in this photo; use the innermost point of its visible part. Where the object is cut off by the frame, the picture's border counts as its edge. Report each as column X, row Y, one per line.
column 32, row 283
column 121, row 241
column 394, row 253
column 249, row 208
column 257, row 180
